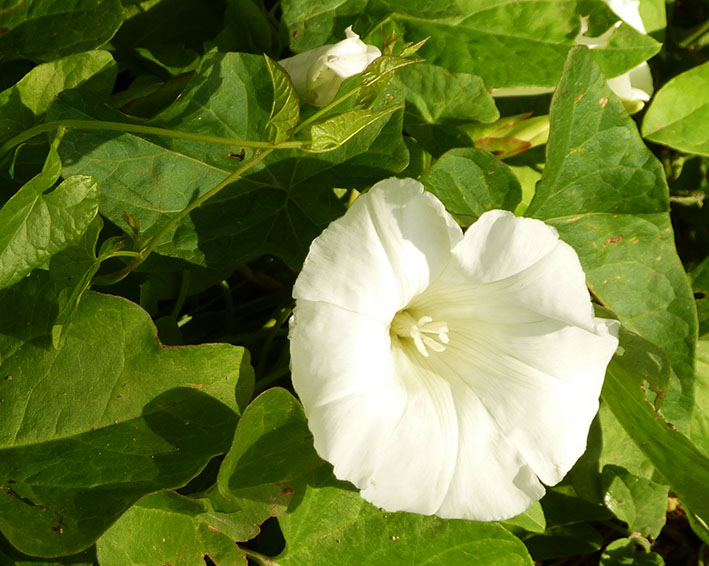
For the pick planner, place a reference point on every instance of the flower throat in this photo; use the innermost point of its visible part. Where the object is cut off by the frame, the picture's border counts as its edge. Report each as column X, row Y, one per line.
column 424, row 332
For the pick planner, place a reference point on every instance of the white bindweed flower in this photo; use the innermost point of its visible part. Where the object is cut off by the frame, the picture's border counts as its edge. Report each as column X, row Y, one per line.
column 635, row 87
column 446, row 373
column 317, row 74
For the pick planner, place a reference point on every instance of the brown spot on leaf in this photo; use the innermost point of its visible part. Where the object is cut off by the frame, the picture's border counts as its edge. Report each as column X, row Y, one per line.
column 579, row 97
column 613, row 240
column 603, row 102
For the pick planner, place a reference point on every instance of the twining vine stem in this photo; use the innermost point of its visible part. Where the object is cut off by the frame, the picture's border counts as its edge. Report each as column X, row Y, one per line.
column 140, row 129
column 175, row 220
column 263, row 150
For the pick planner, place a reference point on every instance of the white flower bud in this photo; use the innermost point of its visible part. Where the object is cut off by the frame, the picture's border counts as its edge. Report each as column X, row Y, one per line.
column 317, row 74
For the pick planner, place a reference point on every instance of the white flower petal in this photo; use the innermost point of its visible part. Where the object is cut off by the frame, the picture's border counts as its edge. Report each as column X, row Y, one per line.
column 544, row 415
column 388, row 247
column 528, row 264
column 299, row 65
column 418, row 459
column 327, row 346
column 352, row 433
column 600, row 42
column 491, row 480
column 634, row 88
column 628, row 11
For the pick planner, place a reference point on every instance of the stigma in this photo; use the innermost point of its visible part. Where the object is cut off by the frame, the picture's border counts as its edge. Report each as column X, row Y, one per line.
column 424, row 332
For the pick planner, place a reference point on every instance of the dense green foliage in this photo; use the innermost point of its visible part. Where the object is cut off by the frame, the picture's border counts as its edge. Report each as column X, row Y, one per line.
column 160, row 184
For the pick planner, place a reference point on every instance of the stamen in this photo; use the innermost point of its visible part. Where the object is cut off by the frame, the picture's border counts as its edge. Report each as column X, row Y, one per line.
column 421, row 331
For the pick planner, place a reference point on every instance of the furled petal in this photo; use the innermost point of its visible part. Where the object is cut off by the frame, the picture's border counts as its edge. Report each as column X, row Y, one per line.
column 300, row 64
column 385, row 250
column 600, row 42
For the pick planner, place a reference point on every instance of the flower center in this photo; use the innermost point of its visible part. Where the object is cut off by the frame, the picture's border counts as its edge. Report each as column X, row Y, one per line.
column 424, row 332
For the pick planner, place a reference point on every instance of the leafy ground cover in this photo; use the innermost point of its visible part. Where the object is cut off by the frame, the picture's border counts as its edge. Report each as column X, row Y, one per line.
column 161, row 182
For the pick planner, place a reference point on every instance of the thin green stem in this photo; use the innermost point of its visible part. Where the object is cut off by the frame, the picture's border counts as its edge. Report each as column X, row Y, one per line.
column 262, row 559
column 228, row 306
column 139, row 129
column 325, row 109
column 119, row 253
column 182, row 295
column 695, row 35
column 179, row 217
column 268, row 341
column 204, row 198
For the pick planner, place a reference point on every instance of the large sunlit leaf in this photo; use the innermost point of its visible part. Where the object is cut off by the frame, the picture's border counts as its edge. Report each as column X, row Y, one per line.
column 285, row 111
column 278, row 207
column 523, row 44
column 699, row 424
column 627, row 552
column 437, row 101
column 23, row 104
column 607, row 195
column 107, row 417
column 272, row 447
column 679, row 113
column 36, row 223
column 641, row 503
column 312, row 25
column 672, row 453
column 472, row 181
column 46, row 29
column 167, row 528
column 330, row 524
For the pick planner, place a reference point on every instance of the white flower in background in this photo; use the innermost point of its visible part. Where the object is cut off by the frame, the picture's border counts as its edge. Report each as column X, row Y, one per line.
column 318, row 73
column 446, row 373
column 635, row 87
column 628, row 11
